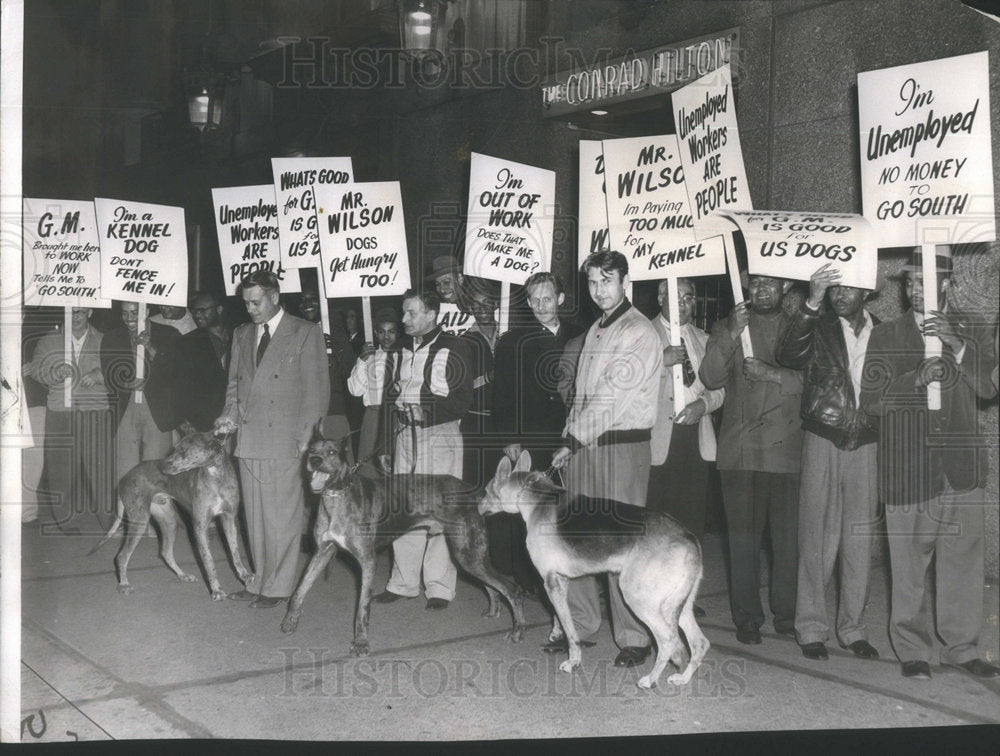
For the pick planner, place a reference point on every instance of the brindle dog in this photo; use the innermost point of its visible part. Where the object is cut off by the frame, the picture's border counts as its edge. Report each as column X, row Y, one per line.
column 362, row 515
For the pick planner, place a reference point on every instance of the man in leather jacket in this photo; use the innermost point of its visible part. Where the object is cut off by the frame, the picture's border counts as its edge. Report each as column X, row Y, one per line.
column 838, row 490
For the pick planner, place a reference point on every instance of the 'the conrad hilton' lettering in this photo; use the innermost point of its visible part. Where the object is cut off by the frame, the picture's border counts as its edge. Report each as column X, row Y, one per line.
column 934, row 128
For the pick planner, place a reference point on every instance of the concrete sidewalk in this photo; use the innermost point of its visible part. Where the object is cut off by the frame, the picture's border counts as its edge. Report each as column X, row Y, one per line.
column 167, row 662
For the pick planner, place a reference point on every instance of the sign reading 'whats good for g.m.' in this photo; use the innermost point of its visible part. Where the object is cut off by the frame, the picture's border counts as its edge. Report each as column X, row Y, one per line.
column 509, row 232
column 649, row 219
column 926, row 151
column 143, row 252
column 62, row 261
column 362, row 239
column 246, row 219
column 294, row 179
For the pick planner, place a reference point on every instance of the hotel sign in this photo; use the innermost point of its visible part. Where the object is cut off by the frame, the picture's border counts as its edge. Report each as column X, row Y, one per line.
column 636, row 75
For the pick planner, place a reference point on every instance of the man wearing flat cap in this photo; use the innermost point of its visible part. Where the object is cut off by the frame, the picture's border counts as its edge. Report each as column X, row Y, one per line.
column 932, row 469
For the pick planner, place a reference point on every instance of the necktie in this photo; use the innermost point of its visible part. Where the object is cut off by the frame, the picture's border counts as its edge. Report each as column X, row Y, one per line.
column 264, row 341
column 688, row 368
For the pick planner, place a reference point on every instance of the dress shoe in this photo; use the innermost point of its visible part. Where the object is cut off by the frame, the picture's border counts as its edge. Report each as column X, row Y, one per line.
column 788, row 630
column 815, row 651
column 976, row 668
column 862, row 649
column 265, row 602
column 632, row 656
column 561, row 646
column 698, row 612
column 748, row 634
column 387, row 597
column 437, row 604
column 919, row 670
column 243, row 595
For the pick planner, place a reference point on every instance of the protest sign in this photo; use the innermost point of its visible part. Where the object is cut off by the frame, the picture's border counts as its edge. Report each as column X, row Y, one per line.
column 708, row 140
column 62, row 263
column 362, row 239
column 926, row 151
column 143, row 252
column 649, row 220
column 246, row 221
column 792, row 245
column 294, row 179
column 593, row 211
column 509, row 231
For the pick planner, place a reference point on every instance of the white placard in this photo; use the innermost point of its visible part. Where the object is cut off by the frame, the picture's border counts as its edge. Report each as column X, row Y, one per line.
column 62, row 260
column 793, row 244
column 246, row 220
column 509, row 231
column 649, row 220
column 926, row 151
column 708, row 139
column 593, row 210
column 143, row 252
column 294, row 179
column 452, row 320
column 362, row 239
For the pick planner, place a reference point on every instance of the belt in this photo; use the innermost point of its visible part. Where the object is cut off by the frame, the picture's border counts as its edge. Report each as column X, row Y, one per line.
column 630, row 436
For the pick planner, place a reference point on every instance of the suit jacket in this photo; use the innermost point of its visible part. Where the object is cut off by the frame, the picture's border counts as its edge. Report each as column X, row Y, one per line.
column 695, row 339
column 201, row 380
column 50, row 354
column 118, row 366
column 276, row 405
column 920, row 450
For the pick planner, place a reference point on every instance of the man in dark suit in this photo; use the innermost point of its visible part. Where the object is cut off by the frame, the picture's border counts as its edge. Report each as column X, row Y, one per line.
column 278, row 388
column 143, row 427
column 932, row 469
column 203, row 364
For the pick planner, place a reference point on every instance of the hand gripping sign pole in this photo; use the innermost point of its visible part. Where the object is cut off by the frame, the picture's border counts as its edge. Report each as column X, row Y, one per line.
column 734, row 279
column 932, row 344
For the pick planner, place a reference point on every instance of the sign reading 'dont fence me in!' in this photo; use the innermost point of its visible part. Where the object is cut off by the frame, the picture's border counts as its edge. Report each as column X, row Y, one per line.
column 246, row 220
column 708, row 138
column 143, row 252
column 508, row 236
column 593, row 210
column 793, row 245
column 926, row 151
column 294, row 179
column 649, row 219
column 362, row 239
column 62, row 260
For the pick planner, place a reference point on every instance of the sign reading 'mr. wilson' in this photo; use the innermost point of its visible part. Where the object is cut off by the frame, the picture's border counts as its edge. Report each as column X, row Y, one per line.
column 639, row 74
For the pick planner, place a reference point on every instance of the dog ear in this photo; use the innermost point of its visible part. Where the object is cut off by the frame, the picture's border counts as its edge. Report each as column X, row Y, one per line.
column 318, row 430
column 503, row 471
column 523, row 462
column 186, row 428
column 512, row 452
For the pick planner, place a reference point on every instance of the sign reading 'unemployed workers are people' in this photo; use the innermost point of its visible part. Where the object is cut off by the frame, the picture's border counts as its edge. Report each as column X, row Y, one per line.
column 294, row 179
column 246, row 219
column 509, row 231
column 926, row 151
column 593, row 210
column 362, row 239
column 143, row 252
column 649, row 220
column 62, row 262
column 708, row 139
column 793, row 245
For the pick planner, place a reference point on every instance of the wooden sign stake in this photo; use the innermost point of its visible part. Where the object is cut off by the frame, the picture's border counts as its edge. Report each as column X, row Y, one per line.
column 932, row 344
column 734, row 278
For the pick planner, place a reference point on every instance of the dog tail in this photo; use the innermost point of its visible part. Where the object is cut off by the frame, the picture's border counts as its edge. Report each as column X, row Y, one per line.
column 119, row 518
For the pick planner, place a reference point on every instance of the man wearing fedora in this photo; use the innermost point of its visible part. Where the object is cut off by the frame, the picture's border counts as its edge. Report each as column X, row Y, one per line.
column 449, row 282
column 932, row 469
column 758, row 455
column 838, row 499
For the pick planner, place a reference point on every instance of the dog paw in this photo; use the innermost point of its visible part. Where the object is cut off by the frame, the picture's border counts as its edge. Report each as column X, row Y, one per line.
column 677, row 679
column 184, row 577
column 647, row 682
column 491, row 612
column 568, row 666
column 359, row 648
column 289, row 624
column 126, row 589
column 516, row 635
column 218, row 595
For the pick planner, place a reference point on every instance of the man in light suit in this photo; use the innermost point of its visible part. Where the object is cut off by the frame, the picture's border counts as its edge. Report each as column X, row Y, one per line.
column 278, row 388
column 682, row 446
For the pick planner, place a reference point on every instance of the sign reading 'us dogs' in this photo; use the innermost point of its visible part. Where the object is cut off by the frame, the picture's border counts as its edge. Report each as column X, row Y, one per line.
column 649, row 219
column 926, row 151
column 143, row 252
column 246, row 220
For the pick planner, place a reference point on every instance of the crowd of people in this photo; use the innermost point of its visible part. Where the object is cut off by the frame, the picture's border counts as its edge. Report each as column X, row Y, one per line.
column 825, row 421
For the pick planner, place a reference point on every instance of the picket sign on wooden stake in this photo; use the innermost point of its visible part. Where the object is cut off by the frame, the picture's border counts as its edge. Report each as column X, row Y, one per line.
column 366, row 314
column 324, row 310
column 504, row 322
column 675, row 340
column 68, row 351
column 932, row 344
column 140, row 353
column 734, row 278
